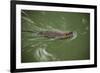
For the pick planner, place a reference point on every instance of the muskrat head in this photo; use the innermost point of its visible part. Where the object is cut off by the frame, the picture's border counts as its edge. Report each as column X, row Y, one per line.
column 71, row 35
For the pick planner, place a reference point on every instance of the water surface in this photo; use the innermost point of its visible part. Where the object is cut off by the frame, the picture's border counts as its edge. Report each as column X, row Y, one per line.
column 39, row 49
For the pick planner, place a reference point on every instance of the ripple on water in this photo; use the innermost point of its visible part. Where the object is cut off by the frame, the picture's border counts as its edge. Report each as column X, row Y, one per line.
column 42, row 55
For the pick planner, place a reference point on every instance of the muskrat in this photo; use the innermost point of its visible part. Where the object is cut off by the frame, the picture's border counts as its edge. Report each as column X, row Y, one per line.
column 54, row 34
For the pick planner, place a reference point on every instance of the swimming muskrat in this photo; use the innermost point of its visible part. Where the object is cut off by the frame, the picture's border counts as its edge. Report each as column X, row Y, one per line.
column 55, row 34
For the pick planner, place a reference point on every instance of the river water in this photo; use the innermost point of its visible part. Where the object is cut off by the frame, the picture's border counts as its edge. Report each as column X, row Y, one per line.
column 39, row 49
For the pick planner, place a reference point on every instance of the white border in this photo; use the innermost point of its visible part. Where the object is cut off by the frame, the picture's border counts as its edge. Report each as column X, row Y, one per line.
column 20, row 65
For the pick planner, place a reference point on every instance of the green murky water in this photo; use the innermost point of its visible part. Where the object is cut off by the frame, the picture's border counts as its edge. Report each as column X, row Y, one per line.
column 39, row 49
